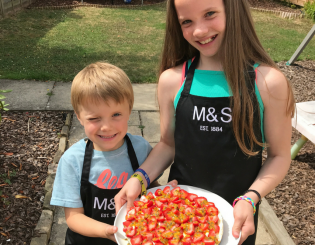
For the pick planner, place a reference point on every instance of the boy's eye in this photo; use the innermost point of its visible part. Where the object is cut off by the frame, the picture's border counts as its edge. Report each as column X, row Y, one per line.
column 92, row 119
column 209, row 13
column 116, row 114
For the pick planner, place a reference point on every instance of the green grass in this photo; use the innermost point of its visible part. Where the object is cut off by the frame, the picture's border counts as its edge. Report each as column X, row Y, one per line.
column 56, row 44
column 281, row 37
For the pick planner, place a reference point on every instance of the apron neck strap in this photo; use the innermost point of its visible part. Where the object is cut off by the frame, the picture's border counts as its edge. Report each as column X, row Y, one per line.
column 88, row 159
column 190, row 76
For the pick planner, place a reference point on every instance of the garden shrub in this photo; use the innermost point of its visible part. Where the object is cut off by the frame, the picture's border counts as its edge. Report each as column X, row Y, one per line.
column 309, row 8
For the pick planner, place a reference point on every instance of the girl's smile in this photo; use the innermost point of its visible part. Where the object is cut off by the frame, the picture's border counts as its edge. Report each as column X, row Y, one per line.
column 203, row 24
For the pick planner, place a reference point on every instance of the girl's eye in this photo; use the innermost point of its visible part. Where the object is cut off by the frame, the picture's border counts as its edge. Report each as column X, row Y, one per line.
column 116, row 114
column 209, row 13
column 186, row 22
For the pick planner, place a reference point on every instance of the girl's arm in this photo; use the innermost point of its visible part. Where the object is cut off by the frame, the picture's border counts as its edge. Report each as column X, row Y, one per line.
column 274, row 91
column 86, row 226
column 163, row 153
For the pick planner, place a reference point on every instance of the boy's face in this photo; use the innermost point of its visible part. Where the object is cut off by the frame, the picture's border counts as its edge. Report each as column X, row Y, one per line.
column 105, row 124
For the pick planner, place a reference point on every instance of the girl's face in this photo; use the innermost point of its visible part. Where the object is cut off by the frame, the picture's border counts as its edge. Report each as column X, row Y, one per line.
column 202, row 23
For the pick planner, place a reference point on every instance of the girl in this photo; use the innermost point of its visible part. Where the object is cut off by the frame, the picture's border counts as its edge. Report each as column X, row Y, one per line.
column 214, row 124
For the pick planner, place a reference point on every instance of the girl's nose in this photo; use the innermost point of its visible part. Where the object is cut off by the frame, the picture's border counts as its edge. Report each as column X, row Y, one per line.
column 200, row 31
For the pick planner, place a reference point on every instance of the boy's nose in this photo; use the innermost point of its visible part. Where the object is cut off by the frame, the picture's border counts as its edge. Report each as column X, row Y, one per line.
column 105, row 127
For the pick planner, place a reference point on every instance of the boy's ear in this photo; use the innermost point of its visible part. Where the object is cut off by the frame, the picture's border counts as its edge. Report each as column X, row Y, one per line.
column 78, row 116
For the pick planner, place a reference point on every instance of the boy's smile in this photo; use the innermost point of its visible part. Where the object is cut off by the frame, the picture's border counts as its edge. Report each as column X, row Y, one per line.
column 105, row 123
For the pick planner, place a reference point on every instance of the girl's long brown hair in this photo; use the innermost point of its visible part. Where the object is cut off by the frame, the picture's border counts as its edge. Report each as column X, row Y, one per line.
column 240, row 46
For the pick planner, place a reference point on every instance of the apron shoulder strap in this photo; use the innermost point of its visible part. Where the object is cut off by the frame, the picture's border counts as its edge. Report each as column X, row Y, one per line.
column 87, row 163
column 132, row 154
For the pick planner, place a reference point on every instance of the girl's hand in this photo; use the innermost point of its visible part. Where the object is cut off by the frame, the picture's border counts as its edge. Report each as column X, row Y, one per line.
column 128, row 193
column 173, row 183
column 244, row 220
column 109, row 232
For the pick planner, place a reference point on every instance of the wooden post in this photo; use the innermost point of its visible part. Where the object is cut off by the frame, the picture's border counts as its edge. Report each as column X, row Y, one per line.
column 2, row 8
column 300, row 49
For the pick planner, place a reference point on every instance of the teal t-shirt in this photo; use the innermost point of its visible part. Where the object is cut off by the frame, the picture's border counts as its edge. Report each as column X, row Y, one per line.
column 207, row 83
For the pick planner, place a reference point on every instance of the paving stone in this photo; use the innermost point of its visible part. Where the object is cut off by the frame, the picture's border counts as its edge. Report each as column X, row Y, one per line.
column 57, row 156
column 49, row 182
column 45, row 222
column 76, row 131
column 68, row 119
column 47, row 202
column 52, row 168
column 61, row 97
column 134, row 118
column 59, row 228
column 41, row 240
column 151, row 123
column 145, row 97
column 63, row 144
column 64, row 131
column 134, row 130
column 26, row 95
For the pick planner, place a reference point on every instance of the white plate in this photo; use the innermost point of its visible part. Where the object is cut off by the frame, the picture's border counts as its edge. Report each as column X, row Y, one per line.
column 224, row 207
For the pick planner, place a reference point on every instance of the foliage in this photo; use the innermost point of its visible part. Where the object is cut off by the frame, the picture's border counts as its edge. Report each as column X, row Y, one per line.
column 2, row 103
column 309, row 8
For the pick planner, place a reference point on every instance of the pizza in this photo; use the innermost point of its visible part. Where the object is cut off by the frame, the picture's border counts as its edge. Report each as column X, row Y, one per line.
column 173, row 217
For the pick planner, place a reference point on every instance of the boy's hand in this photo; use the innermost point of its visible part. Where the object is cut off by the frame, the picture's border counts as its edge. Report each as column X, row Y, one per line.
column 244, row 220
column 109, row 232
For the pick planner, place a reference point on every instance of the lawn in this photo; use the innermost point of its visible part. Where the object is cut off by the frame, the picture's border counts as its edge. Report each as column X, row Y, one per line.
column 56, row 44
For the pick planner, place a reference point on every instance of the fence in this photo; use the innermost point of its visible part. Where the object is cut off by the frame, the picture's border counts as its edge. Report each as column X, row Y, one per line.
column 11, row 6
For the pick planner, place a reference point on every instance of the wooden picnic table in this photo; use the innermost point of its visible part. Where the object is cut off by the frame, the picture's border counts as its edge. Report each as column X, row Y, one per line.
column 304, row 122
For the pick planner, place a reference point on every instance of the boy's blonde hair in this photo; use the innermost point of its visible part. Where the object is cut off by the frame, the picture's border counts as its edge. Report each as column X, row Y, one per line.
column 101, row 81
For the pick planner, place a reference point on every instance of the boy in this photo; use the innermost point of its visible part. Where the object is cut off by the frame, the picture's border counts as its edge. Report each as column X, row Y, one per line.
column 91, row 173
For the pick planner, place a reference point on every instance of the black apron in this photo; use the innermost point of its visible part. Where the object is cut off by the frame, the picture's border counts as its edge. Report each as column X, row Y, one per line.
column 98, row 203
column 207, row 154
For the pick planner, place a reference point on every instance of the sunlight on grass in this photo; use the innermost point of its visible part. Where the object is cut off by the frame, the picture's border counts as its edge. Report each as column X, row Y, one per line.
column 56, row 44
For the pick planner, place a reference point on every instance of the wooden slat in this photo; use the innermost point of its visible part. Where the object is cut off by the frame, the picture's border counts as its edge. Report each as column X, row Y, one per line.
column 299, row 2
column 16, row 3
column 1, row 9
column 7, row 6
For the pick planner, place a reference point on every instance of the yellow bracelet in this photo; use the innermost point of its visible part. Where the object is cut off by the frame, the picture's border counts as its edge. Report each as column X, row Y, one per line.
column 144, row 190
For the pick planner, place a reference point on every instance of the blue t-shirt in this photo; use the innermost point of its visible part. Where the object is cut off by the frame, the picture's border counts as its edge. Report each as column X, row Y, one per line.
column 109, row 170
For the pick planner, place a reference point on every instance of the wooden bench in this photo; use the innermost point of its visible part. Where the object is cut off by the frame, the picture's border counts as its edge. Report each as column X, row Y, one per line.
column 304, row 122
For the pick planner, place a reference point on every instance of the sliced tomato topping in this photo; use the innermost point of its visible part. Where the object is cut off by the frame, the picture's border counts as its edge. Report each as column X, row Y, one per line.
column 147, row 210
column 147, row 243
column 147, row 235
column 202, row 219
column 200, row 212
column 183, row 194
column 198, row 237
column 213, row 218
column 131, row 233
column 136, row 240
column 191, row 197
column 159, row 204
column 208, row 241
column 173, row 242
column 158, row 192
column 167, row 190
column 183, row 218
column 188, row 228
column 212, row 211
column 201, row 201
column 176, row 192
column 167, row 234
column 150, row 196
column 152, row 226
column 187, row 240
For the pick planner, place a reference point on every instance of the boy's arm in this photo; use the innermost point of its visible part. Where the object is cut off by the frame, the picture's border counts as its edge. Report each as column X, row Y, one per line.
column 86, row 226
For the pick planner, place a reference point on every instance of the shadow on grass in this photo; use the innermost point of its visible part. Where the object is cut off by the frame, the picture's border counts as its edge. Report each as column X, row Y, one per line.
column 25, row 52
